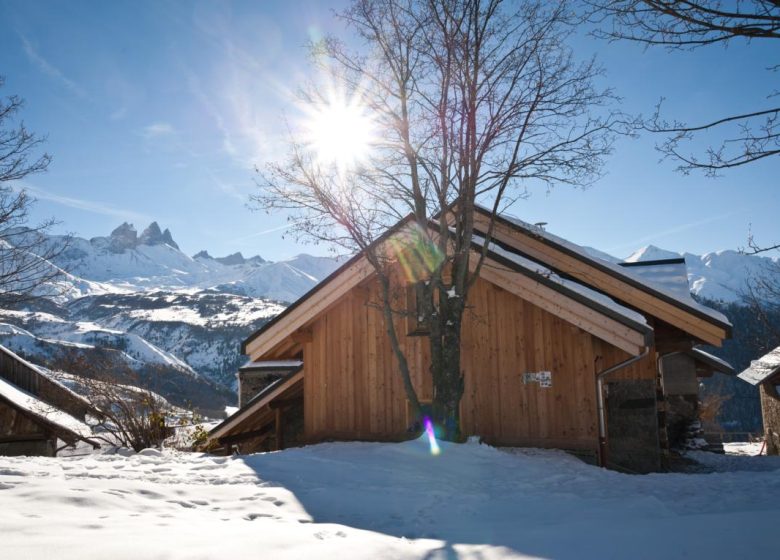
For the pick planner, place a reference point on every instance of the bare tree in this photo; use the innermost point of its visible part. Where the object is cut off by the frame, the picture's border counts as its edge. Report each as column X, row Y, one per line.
column 25, row 252
column 473, row 102
column 745, row 137
column 129, row 413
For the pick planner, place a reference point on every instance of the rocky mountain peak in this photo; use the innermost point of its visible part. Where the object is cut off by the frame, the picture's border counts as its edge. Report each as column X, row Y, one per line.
column 122, row 238
column 202, row 255
column 168, row 239
column 152, row 235
column 235, row 258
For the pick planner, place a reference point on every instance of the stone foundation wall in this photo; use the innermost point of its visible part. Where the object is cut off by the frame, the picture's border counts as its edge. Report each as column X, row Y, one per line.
column 632, row 426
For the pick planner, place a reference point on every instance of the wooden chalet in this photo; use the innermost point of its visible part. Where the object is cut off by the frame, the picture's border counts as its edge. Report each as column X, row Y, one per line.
column 765, row 373
column 38, row 415
column 559, row 349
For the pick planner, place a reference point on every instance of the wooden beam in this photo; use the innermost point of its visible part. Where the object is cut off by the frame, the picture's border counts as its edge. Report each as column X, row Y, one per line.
column 285, row 403
column 301, row 336
column 278, row 426
column 236, row 438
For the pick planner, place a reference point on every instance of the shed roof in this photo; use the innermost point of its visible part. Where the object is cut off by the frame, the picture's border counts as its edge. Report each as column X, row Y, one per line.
column 713, row 362
column 66, row 426
column 763, row 369
column 247, row 418
column 52, row 383
column 261, row 365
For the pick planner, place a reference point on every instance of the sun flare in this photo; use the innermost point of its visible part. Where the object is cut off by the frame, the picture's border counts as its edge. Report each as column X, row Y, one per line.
column 340, row 133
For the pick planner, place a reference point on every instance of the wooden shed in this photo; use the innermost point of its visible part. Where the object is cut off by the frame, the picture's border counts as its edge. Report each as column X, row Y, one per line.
column 36, row 411
column 560, row 349
column 765, row 373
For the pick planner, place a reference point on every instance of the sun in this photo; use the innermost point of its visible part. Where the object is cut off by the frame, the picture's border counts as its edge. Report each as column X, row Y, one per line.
column 340, row 133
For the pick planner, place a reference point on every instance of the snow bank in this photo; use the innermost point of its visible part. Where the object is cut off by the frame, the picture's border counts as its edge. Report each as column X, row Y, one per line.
column 367, row 500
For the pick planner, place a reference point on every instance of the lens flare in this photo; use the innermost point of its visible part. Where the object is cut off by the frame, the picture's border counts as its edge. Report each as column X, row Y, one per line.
column 416, row 252
column 435, row 450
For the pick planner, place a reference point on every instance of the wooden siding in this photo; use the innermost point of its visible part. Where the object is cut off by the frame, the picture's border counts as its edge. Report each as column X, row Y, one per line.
column 353, row 389
column 15, row 425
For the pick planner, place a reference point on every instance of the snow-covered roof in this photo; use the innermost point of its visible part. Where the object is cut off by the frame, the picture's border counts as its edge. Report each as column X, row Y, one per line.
column 628, row 275
column 762, row 369
column 48, row 374
column 594, row 297
column 271, row 364
column 713, row 361
column 44, row 411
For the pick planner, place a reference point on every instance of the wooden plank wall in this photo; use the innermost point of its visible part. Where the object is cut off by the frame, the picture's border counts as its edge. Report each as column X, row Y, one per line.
column 15, row 425
column 353, row 389
column 352, row 386
column 505, row 337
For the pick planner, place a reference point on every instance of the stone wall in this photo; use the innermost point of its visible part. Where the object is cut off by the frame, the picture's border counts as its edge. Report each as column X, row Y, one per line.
column 250, row 383
column 770, row 409
column 632, row 426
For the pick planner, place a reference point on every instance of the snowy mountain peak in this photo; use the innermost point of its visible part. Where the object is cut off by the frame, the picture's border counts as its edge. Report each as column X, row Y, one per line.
column 652, row 253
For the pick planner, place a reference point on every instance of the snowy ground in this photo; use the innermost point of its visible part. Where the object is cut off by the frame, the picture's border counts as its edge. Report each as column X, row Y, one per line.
column 353, row 500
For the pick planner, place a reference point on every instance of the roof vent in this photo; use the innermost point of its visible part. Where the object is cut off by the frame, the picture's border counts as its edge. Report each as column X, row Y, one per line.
column 540, row 225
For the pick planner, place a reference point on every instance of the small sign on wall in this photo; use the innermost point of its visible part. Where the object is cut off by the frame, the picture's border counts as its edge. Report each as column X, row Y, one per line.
column 543, row 378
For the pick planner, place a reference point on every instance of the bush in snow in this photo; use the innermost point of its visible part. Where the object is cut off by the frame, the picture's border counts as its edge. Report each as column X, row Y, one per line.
column 130, row 414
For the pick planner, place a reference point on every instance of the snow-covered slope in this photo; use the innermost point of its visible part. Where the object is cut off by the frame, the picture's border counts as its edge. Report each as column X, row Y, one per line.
column 382, row 501
column 142, row 298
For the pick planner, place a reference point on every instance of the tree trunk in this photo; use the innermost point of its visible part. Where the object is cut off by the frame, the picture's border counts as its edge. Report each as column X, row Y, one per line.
column 445, row 364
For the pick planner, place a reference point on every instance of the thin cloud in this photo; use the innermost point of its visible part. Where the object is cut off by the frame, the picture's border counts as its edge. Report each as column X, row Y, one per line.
column 50, row 70
column 670, row 231
column 265, row 231
column 158, row 129
column 96, row 207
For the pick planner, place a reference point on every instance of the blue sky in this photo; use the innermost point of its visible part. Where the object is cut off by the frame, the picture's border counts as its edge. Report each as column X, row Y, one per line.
column 159, row 111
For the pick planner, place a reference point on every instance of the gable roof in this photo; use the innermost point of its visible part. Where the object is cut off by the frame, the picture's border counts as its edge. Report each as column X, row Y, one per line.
column 574, row 272
column 570, row 259
column 586, row 308
column 354, row 262
column 762, row 369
